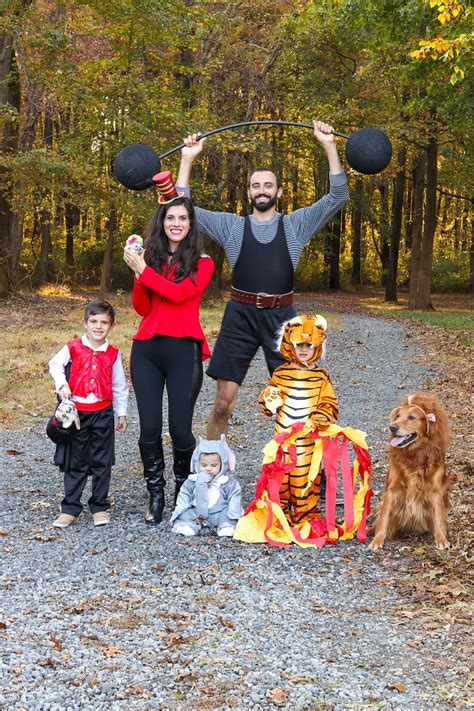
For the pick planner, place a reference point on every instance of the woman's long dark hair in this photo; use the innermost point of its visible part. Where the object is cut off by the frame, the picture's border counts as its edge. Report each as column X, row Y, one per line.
column 156, row 243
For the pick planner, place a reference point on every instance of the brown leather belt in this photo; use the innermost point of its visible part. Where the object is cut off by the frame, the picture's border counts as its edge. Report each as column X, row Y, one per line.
column 261, row 300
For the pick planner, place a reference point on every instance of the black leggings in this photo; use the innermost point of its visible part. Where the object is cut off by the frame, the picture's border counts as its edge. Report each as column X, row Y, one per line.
column 177, row 363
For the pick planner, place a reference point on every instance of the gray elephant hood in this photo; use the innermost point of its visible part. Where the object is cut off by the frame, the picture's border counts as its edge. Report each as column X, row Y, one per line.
column 214, row 446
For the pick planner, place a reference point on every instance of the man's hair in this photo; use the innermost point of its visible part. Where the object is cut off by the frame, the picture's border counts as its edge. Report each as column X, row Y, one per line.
column 265, row 168
column 99, row 307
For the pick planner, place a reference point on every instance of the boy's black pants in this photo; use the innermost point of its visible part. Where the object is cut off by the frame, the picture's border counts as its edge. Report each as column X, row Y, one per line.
column 91, row 453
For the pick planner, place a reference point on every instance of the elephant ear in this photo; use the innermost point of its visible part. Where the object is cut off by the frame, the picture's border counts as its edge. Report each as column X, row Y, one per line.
column 230, row 456
column 195, row 458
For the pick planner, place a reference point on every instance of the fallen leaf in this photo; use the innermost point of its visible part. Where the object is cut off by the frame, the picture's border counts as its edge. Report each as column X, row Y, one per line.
column 398, row 687
column 226, row 623
column 57, row 644
column 137, row 690
column 278, row 696
column 14, row 452
column 322, row 608
column 419, row 550
column 113, row 650
column 295, row 678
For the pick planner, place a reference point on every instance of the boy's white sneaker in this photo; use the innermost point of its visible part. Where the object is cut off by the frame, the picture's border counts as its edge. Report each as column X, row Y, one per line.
column 183, row 529
column 101, row 518
column 64, row 520
column 226, row 531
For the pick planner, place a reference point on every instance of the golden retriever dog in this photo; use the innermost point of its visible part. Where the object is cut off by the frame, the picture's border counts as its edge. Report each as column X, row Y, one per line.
column 415, row 496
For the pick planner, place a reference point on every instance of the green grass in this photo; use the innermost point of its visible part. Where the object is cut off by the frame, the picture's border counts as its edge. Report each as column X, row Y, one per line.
column 35, row 326
column 451, row 314
column 450, row 320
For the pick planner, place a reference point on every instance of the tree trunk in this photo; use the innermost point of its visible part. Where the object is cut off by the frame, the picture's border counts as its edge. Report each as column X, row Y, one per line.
column 384, row 232
column 471, row 260
column 106, row 271
column 422, row 251
column 71, row 218
column 43, row 271
column 9, row 97
column 397, row 213
column 31, row 99
column 419, row 171
column 42, row 274
column 356, row 271
column 409, row 216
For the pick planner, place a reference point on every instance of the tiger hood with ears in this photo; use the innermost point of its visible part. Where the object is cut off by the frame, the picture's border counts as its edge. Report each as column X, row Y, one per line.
column 303, row 329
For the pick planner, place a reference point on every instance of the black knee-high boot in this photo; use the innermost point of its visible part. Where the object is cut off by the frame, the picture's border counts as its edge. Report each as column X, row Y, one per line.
column 181, row 467
column 154, row 472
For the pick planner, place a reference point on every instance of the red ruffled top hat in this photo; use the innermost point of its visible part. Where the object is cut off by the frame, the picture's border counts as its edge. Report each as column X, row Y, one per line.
column 164, row 183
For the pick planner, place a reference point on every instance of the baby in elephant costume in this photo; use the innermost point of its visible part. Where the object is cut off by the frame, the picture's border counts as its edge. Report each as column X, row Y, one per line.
column 210, row 497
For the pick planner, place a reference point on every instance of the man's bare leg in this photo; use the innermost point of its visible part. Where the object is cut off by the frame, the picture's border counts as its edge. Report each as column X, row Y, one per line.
column 224, row 401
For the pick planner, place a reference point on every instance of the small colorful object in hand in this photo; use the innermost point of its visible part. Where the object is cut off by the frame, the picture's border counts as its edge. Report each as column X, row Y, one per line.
column 134, row 244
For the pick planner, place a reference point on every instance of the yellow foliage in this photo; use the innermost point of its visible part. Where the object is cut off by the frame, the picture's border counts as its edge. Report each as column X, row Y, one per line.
column 441, row 48
column 60, row 290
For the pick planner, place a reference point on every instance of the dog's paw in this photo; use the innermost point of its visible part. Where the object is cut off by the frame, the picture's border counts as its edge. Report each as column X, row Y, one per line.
column 442, row 544
column 376, row 543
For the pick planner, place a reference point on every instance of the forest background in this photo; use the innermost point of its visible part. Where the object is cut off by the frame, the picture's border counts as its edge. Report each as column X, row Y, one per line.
column 79, row 80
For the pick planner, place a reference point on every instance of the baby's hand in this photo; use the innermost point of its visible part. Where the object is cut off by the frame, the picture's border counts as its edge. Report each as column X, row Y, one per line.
column 272, row 398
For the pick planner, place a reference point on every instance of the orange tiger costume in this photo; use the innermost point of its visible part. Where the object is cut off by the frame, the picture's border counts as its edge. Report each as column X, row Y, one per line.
column 304, row 393
column 285, row 508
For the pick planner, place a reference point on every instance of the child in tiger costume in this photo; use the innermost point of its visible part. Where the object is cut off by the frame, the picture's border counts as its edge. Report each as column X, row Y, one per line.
column 300, row 394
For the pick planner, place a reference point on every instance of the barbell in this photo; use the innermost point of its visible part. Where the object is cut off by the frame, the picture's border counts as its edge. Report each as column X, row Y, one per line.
column 368, row 151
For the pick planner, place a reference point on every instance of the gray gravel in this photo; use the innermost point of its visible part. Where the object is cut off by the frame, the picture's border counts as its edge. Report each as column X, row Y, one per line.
column 131, row 617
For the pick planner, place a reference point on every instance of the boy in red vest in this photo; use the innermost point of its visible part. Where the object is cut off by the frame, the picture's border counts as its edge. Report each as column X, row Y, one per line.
column 90, row 372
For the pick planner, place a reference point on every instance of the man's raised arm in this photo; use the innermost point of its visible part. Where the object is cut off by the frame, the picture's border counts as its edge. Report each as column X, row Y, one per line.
column 189, row 152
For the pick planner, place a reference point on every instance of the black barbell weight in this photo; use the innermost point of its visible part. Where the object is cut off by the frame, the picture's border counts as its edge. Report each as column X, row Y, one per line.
column 368, row 151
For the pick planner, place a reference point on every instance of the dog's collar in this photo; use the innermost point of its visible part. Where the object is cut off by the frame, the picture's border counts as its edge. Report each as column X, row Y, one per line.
column 429, row 416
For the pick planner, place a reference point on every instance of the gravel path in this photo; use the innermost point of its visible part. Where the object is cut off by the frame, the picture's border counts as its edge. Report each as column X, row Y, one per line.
column 131, row 617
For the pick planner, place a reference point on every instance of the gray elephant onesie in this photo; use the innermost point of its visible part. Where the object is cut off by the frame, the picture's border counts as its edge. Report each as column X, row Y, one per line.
column 205, row 501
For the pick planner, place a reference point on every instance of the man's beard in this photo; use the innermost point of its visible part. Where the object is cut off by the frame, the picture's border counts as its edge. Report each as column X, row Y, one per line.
column 263, row 206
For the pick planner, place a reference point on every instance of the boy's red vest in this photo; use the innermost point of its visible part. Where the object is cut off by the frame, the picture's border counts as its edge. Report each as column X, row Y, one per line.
column 91, row 371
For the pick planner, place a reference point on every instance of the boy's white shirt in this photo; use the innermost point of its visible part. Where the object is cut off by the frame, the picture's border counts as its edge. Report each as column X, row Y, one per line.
column 57, row 366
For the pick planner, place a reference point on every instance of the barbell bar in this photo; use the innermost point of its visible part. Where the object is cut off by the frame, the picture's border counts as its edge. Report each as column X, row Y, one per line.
column 368, row 151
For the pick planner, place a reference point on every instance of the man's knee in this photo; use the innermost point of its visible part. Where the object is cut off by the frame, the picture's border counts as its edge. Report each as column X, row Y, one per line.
column 224, row 401
column 223, row 407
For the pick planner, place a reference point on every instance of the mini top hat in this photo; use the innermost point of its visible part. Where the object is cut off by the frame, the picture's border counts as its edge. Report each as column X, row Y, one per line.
column 164, row 183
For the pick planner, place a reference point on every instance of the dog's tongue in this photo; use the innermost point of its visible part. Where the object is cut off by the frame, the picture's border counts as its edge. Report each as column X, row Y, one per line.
column 397, row 440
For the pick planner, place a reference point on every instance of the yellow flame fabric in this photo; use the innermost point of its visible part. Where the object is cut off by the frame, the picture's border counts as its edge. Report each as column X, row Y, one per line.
column 265, row 520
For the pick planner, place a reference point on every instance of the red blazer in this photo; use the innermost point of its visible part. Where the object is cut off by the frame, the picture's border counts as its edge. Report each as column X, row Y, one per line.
column 169, row 308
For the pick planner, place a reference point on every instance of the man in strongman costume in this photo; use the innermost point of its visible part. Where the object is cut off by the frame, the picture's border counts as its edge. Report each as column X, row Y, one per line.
column 263, row 250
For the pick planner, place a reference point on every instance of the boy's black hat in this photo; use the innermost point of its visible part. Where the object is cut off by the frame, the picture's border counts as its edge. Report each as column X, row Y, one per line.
column 55, row 428
column 57, row 433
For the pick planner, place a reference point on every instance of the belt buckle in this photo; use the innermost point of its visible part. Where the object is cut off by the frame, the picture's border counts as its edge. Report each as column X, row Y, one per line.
column 262, row 295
